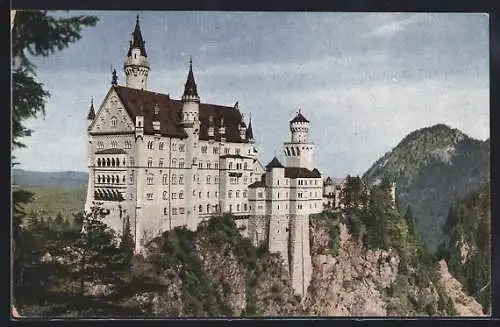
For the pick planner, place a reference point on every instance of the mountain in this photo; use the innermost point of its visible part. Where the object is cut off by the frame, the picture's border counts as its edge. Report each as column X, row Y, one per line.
column 433, row 167
column 25, row 178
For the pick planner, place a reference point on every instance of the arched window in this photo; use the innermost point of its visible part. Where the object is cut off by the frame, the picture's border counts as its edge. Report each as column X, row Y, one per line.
column 230, row 165
column 208, row 208
column 98, row 162
column 181, row 195
column 117, row 162
column 165, row 195
column 112, row 162
column 208, row 179
column 245, row 165
column 165, row 179
column 238, row 207
column 174, row 177
column 117, row 179
column 108, row 162
column 150, row 144
column 114, row 145
column 123, row 180
column 174, row 162
column 112, row 179
column 181, row 180
column 98, row 179
column 200, row 208
column 108, row 179
column 161, row 146
column 230, row 194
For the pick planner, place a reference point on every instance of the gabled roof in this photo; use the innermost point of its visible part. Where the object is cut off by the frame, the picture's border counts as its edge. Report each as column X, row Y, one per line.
column 141, row 102
column 296, row 172
column 299, row 119
column 275, row 163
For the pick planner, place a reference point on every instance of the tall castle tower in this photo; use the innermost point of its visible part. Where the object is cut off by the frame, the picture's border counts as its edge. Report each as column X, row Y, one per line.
column 191, row 123
column 299, row 152
column 136, row 65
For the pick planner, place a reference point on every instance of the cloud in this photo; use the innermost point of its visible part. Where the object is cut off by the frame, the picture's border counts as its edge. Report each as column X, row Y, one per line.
column 392, row 27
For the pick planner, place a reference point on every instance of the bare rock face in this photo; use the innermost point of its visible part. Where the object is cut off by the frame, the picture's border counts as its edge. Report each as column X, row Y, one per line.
column 464, row 305
column 227, row 273
column 347, row 284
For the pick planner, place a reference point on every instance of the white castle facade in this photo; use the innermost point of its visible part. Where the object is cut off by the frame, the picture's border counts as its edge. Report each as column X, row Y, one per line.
column 160, row 163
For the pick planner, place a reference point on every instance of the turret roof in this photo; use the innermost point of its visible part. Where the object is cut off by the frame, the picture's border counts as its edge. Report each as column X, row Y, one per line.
column 299, row 119
column 275, row 163
column 137, row 40
column 190, row 86
column 91, row 115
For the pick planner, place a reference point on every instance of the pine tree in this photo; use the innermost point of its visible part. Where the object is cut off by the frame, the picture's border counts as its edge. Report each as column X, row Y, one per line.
column 127, row 244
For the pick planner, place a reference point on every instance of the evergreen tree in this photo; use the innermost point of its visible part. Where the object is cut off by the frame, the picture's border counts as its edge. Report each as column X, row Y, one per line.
column 127, row 244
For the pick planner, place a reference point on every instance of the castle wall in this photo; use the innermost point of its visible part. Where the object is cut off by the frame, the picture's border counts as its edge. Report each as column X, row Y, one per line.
column 300, row 254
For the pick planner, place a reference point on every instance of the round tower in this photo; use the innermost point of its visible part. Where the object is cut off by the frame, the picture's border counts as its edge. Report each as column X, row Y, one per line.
column 190, row 100
column 299, row 151
column 136, row 65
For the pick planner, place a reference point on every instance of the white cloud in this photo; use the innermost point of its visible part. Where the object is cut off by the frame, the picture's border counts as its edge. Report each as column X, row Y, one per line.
column 390, row 27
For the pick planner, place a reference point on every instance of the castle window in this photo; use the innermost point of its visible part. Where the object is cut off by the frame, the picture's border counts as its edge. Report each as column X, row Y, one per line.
column 174, row 146
column 112, row 162
column 181, row 147
column 208, row 208
column 100, row 145
column 293, row 151
column 150, row 162
column 237, row 151
column 278, row 195
column 181, row 180
column 174, row 162
column 114, row 121
column 160, row 146
column 165, row 211
column 245, row 207
column 230, row 208
column 149, row 196
column 150, row 180
column 278, row 181
column 165, row 195
column 237, row 194
column 174, row 211
column 165, row 179
column 245, row 166
column 160, row 162
column 244, row 194
column 108, row 162
column 310, row 194
column 215, row 194
column 181, row 211
column 230, row 194
column 278, row 207
column 216, row 180
column 150, row 144
column 98, row 179
column 117, row 162
column 208, row 195
column 200, row 164
column 208, row 165
column 200, row 208
column 216, row 207
column 174, row 179
column 260, row 194
column 286, row 195
column 245, row 181
column 316, row 182
column 198, row 179
column 128, row 145
column 226, row 150
column 208, row 179
column 204, row 149
column 216, row 165
column 237, row 208
column 99, row 162
column 181, row 164
column 174, row 196
column 181, row 195
column 215, row 150
column 108, row 179
column 131, row 161
column 117, row 179
column 230, row 165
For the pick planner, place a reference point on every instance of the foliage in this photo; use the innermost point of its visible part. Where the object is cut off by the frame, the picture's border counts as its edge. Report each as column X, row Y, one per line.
column 354, row 194
column 36, row 33
column 330, row 219
column 469, row 226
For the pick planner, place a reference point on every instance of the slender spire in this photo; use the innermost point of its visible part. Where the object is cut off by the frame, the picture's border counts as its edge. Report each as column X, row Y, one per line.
column 114, row 78
column 91, row 115
column 137, row 40
column 190, row 90
column 249, row 132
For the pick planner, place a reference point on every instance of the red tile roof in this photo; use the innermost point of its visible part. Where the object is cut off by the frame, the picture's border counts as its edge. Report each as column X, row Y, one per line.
column 140, row 102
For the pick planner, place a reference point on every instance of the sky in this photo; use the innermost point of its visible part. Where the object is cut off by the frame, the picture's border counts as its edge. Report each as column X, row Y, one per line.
column 363, row 80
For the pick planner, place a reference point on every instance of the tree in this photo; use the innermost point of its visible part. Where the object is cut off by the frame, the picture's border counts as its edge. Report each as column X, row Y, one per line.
column 36, row 33
column 127, row 244
column 353, row 193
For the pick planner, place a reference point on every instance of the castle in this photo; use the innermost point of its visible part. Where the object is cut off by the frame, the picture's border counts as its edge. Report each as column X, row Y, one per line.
column 159, row 163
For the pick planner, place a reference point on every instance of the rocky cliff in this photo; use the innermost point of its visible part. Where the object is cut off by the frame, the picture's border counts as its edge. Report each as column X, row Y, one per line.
column 234, row 279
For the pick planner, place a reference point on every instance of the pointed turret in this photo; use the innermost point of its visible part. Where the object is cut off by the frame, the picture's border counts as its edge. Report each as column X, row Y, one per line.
column 136, row 64
column 91, row 115
column 275, row 163
column 249, row 132
column 190, row 90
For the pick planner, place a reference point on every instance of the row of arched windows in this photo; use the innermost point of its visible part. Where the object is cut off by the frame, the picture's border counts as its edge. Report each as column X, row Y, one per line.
column 110, row 179
column 109, row 162
column 114, row 145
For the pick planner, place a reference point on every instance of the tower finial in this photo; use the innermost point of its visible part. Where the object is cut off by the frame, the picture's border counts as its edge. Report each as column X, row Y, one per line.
column 114, row 78
column 190, row 63
column 137, row 19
